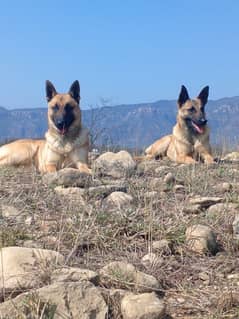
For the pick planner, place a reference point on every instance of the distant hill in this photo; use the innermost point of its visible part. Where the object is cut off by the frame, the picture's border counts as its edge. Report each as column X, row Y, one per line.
column 134, row 126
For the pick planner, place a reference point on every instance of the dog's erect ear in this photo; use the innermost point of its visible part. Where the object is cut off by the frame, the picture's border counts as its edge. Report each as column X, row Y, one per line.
column 50, row 91
column 75, row 91
column 203, row 95
column 183, row 96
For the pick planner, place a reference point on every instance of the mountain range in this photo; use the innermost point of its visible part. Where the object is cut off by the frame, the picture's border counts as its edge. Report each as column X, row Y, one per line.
column 127, row 126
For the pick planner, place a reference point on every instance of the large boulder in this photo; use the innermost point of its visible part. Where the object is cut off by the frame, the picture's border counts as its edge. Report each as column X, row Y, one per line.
column 60, row 300
column 25, row 268
column 115, row 165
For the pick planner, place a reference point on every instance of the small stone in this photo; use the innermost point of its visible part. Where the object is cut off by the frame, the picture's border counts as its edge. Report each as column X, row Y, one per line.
column 223, row 187
column 9, row 211
column 201, row 239
column 192, row 209
column 161, row 170
column 29, row 220
column 13, row 213
column 123, row 275
column 117, row 200
column 151, row 260
column 235, row 226
column 222, row 208
column 205, row 202
column 156, row 183
column 233, row 156
column 105, row 190
column 169, row 178
column 233, row 276
column 163, row 246
column 73, row 274
column 142, row 306
column 204, row 276
column 178, row 188
column 68, row 177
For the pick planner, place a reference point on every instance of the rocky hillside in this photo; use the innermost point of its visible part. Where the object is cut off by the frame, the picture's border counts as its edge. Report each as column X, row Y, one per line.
column 134, row 126
column 137, row 240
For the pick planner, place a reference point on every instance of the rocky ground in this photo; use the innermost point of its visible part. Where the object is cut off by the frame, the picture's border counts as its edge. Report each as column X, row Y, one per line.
column 137, row 240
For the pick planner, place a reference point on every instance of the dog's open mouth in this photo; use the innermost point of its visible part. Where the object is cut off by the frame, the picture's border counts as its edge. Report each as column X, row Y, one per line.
column 63, row 130
column 198, row 128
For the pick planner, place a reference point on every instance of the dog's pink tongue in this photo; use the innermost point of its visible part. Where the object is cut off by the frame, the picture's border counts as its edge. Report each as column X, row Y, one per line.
column 63, row 131
column 198, row 128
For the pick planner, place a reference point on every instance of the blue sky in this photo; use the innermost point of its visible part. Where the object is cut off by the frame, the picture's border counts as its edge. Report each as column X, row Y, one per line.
column 123, row 51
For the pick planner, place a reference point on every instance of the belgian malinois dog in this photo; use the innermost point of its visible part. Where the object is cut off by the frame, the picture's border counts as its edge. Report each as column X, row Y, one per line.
column 189, row 141
column 66, row 142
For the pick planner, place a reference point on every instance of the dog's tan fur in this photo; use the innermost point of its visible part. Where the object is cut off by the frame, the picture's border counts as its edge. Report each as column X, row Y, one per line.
column 189, row 141
column 58, row 150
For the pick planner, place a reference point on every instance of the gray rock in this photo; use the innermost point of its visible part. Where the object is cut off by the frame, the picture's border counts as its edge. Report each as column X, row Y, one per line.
column 169, row 178
column 201, row 239
column 205, row 202
column 143, row 306
column 117, row 201
column 151, row 260
column 68, row 177
column 116, row 165
column 192, row 209
column 233, row 156
column 74, row 193
column 148, row 166
column 125, row 275
column 223, row 187
column 105, row 190
column 162, row 246
column 60, row 300
column 73, row 274
column 25, row 268
column 235, row 226
column 222, row 208
column 12, row 213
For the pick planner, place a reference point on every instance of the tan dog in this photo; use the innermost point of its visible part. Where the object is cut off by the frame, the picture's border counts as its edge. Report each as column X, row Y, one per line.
column 190, row 138
column 66, row 143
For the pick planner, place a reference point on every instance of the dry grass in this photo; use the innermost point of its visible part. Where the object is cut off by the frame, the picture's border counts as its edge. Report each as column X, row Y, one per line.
column 89, row 236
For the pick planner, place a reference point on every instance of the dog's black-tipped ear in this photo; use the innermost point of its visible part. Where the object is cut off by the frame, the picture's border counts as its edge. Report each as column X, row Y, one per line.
column 50, row 91
column 183, row 96
column 203, row 95
column 75, row 91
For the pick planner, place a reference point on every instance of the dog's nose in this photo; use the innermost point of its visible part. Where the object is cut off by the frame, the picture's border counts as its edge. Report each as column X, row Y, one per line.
column 203, row 121
column 60, row 123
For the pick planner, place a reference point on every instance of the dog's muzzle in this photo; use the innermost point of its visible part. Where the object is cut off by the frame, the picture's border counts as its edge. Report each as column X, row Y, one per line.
column 199, row 125
column 61, row 125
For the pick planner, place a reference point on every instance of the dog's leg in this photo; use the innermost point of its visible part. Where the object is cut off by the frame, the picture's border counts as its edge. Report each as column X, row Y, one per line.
column 20, row 152
column 84, row 168
column 50, row 168
column 80, row 158
column 158, row 148
column 185, row 159
column 205, row 152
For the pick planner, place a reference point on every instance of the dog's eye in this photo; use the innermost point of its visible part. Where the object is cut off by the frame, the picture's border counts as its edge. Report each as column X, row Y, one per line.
column 55, row 108
column 192, row 109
